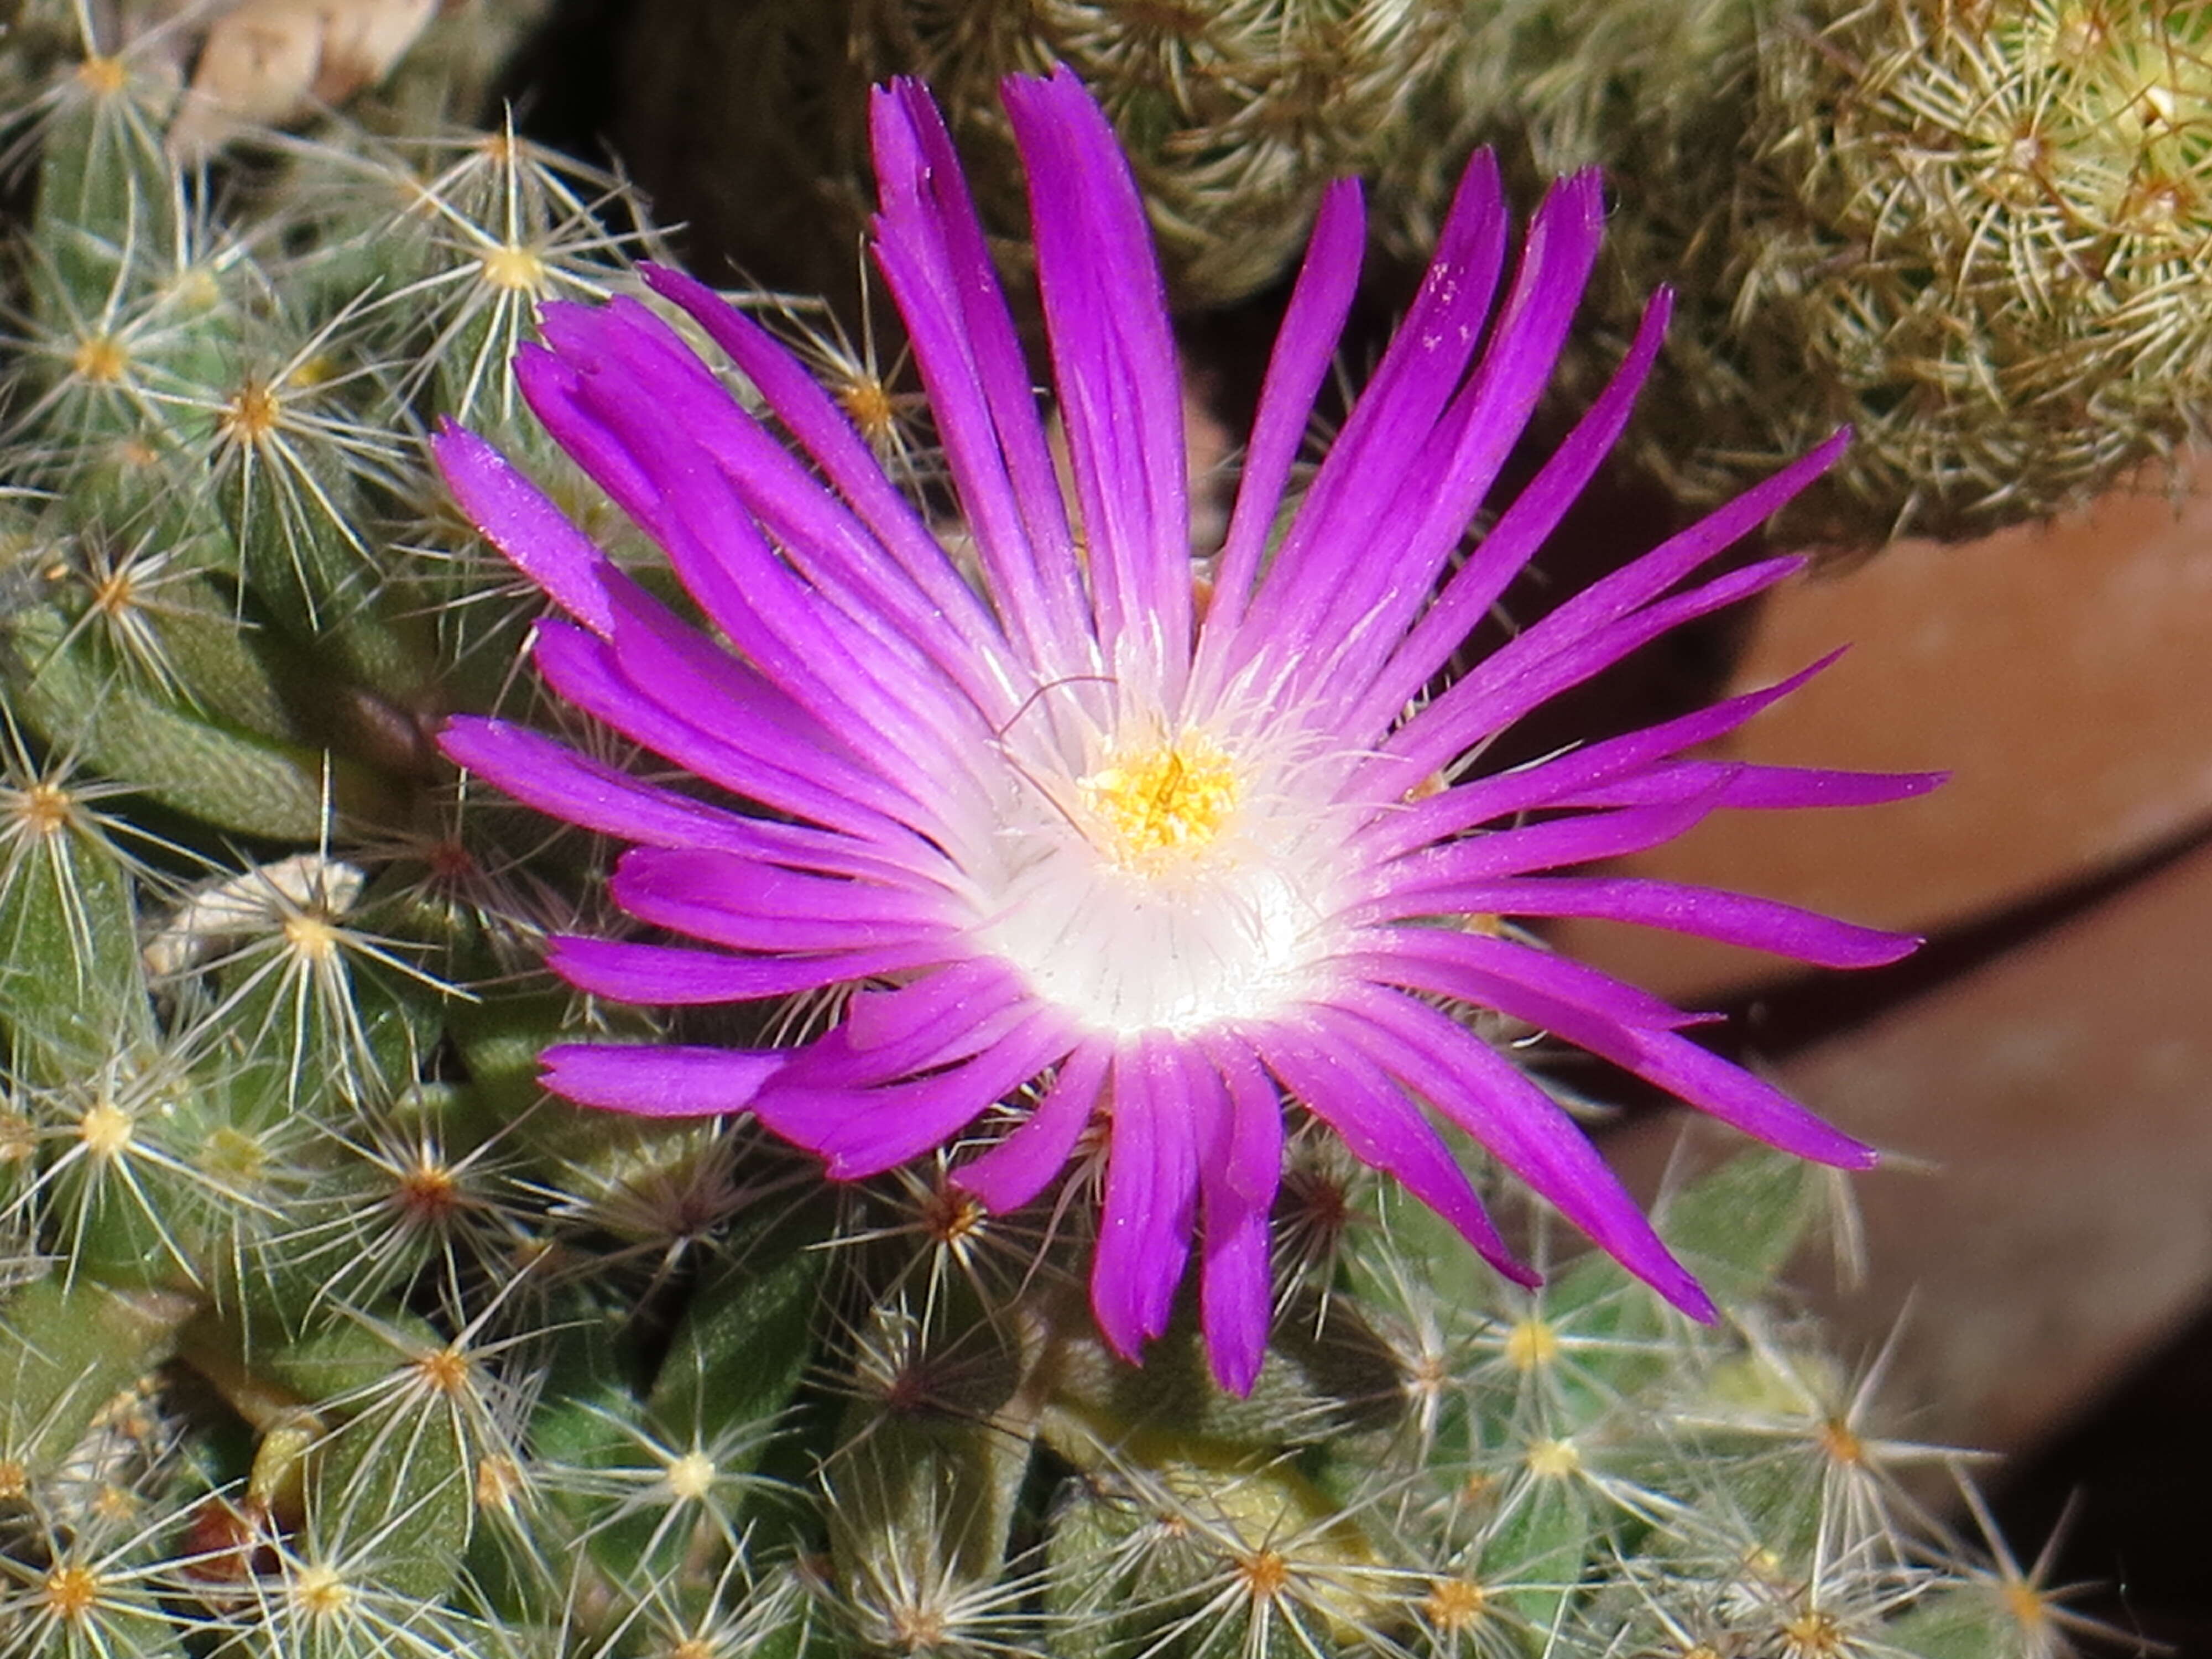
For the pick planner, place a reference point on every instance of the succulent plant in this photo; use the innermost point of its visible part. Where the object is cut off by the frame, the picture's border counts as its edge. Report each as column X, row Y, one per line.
column 323, row 1332
column 1972, row 230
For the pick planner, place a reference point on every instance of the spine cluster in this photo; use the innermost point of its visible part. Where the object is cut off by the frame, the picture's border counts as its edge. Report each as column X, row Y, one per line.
column 1974, row 231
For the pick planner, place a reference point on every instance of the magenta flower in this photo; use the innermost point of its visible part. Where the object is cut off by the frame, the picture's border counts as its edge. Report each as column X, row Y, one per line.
column 1086, row 842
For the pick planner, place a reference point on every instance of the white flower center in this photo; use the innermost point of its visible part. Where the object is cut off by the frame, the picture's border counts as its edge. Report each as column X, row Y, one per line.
column 1164, row 888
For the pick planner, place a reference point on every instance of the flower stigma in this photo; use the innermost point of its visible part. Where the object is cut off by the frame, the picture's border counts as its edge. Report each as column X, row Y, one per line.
column 1163, row 804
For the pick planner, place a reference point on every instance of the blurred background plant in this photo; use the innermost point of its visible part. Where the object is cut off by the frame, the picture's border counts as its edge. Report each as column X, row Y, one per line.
column 324, row 1332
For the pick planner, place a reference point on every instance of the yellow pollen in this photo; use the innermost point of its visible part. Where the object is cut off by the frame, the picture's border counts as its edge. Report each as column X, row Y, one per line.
column 197, row 289
column 2079, row 33
column 105, row 76
column 513, row 268
column 18, row 1141
column 1531, row 1345
column 691, row 1648
column 251, row 417
column 99, row 358
column 1453, row 1604
column 1554, row 1460
column 104, row 1129
column 691, row 1477
column 1163, row 803
column 14, row 1482
column 71, row 1592
column 1427, row 1375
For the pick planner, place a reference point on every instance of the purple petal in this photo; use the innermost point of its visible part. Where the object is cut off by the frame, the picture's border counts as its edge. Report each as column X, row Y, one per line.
column 650, row 1081
column 864, row 1132
column 1563, row 779
column 1304, row 347
column 1704, row 911
column 659, row 974
column 516, row 517
column 1384, row 1130
column 1644, row 580
column 1735, row 1096
column 1510, row 544
column 745, row 905
column 1238, row 1182
column 1477, row 969
column 1021, row 1166
column 878, row 1019
column 1598, row 1023
column 1151, row 1191
column 1501, row 688
column 1528, row 1131
column 1423, row 883
column 636, row 403
column 972, row 1011
column 1384, row 441
column 827, row 435
column 1421, row 524
column 557, row 781
column 1754, row 787
column 1115, row 373
column 930, row 247
column 766, row 766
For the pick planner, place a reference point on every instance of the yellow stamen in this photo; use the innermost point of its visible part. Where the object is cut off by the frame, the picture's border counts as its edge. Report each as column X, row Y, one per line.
column 1164, row 802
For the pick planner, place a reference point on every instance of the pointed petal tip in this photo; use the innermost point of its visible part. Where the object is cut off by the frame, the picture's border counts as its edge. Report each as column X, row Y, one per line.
column 460, row 736
column 1234, row 1367
column 1854, row 1155
column 1514, row 1270
column 653, row 1080
column 1690, row 1298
